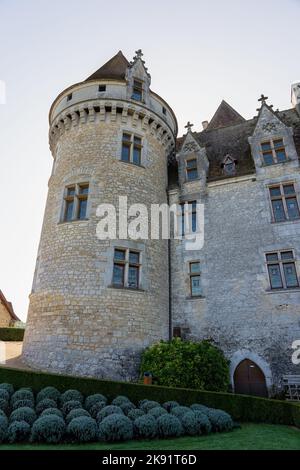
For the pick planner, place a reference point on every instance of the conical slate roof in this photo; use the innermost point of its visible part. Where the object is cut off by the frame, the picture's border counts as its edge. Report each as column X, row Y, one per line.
column 225, row 116
column 115, row 68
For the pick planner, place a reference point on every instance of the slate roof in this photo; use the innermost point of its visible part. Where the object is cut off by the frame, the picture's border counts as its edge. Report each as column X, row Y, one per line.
column 225, row 116
column 8, row 306
column 115, row 68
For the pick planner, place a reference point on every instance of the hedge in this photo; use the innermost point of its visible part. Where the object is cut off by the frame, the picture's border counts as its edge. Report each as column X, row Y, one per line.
column 12, row 334
column 240, row 407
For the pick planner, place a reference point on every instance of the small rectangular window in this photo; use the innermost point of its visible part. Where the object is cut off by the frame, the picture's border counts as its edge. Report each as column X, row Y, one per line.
column 284, row 202
column 126, row 272
column 131, row 149
column 191, row 169
column 102, row 88
column 70, row 96
column 282, row 270
column 164, row 110
column 75, row 202
column 195, row 279
column 191, row 215
column 137, row 93
column 273, row 151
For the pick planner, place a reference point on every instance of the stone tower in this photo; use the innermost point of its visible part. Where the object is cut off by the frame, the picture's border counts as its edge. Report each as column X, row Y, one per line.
column 95, row 304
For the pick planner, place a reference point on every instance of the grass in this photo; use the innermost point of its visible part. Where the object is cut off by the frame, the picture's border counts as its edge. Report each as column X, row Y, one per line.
column 249, row 437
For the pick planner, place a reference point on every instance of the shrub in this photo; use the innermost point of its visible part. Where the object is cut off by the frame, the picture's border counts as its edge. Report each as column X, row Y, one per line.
column 76, row 414
column 203, row 422
column 22, row 403
column 109, row 410
column 3, row 428
column 22, row 394
column 134, row 414
column 116, row 427
column 3, row 414
column 4, row 395
column 82, row 429
column 12, row 334
column 49, row 429
column 91, row 400
column 169, row 405
column 127, row 406
column 8, row 387
column 48, row 393
column 188, row 364
column 23, row 414
column 197, row 407
column 71, row 395
column 169, row 426
column 4, row 405
column 119, row 400
column 220, row 420
column 145, row 427
column 94, row 410
column 70, row 405
column 52, row 411
column 18, row 431
column 148, row 404
column 180, row 411
column 44, row 404
column 195, row 423
column 157, row 411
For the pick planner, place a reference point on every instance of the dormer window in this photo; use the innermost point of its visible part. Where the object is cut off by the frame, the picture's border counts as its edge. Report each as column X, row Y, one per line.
column 191, row 169
column 137, row 92
column 273, row 151
column 229, row 166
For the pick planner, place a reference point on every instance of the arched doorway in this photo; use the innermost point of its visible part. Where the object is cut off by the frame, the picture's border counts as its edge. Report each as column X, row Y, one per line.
column 249, row 379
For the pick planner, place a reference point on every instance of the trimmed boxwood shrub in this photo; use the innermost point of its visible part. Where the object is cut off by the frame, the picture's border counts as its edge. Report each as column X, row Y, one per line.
column 177, row 363
column 4, row 414
column 48, row 393
column 70, row 405
column 4, row 405
column 169, row 426
column 109, row 410
column 180, row 411
column 157, row 411
column 18, row 431
column 71, row 395
column 52, row 411
column 23, row 403
column 22, row 394
column 12, row 334
column 220, row 420
column 4, row 395
column 8, row 387
column 146, row 405
column 94, row 410
column 119, row 400
column 44, row 404
column 198, row 407
column 127, row 406
column 195, row 423
column 76, row 414
column 49, row 429
column 91, row 400
column 82, row 429
column 169, row 405
column 3, row 428
column 145, row 427
column 116, row 427
column 203, row 422
column 134, row 414
column 23, row 414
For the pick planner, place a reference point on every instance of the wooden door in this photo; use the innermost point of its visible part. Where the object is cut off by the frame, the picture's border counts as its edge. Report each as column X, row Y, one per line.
column 249, row 379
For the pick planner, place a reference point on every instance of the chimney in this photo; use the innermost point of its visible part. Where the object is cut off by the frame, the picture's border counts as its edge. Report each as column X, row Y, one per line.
column 204, row 125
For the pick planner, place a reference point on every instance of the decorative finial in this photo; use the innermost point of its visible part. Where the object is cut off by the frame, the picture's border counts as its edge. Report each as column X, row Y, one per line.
column 263, row 99
column 189, row 126
column 139, row 54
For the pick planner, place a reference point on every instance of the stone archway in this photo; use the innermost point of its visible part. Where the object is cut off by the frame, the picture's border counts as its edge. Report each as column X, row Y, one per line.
column 250, row 374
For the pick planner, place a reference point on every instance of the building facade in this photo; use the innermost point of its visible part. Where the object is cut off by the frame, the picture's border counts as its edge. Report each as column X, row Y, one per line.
column 7, row 315
column 96, row 304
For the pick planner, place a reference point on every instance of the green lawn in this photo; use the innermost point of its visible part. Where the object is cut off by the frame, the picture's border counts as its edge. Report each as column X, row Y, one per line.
column 250, row 436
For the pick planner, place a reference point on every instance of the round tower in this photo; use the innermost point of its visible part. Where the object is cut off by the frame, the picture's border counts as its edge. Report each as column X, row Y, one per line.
column 95, row 303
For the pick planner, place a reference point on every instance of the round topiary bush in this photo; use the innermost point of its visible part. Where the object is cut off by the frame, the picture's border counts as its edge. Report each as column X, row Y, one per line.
column 119, row 400
column 116, row 427
column 52, row 411
column 91, row 400
column 134, row 414
column 203, row 422
column 3, row 414
column 127, row 406
column 169, row 426
column 8, row 387
column 220, row 420
column 4, row 395
column 169, row 405
column 82, row 429
column 94, row 410
column 148, row 404
column 18, row 431
column 23, row 403
column 22, row 394
column 109, row 410
column 188, row 364
column 180, row 411
column 48, row 393
column 145, row 427
column 157, row 411
column 44, row 404
column 192, row 423
column 49, row 429
column 71, row 395
column 3, row 428
column 70, row 405
column 23, row 414
column 76, row 414
column 4, row 406
column 197, row 407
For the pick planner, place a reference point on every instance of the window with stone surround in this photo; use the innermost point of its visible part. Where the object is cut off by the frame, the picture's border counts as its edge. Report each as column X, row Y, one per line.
column 273, row 151
column 75, row 202
column 137, row 90
column 282, row 270
column 229, row 166
column 195, row 279
column 191, row 169
column 284, row 202
column 126, row 270
column 131, row 148
column 188, row 212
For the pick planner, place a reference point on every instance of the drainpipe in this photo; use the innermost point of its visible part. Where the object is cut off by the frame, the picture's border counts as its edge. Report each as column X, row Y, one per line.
column 170, row 283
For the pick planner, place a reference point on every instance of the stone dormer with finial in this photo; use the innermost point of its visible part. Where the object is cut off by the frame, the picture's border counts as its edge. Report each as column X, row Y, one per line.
column 138, row 79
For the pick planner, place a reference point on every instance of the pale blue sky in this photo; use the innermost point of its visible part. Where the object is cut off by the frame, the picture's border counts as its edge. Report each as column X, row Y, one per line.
column 198, row 52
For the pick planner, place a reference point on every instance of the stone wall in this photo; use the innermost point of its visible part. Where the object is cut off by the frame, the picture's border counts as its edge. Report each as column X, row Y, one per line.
column 5, row 318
